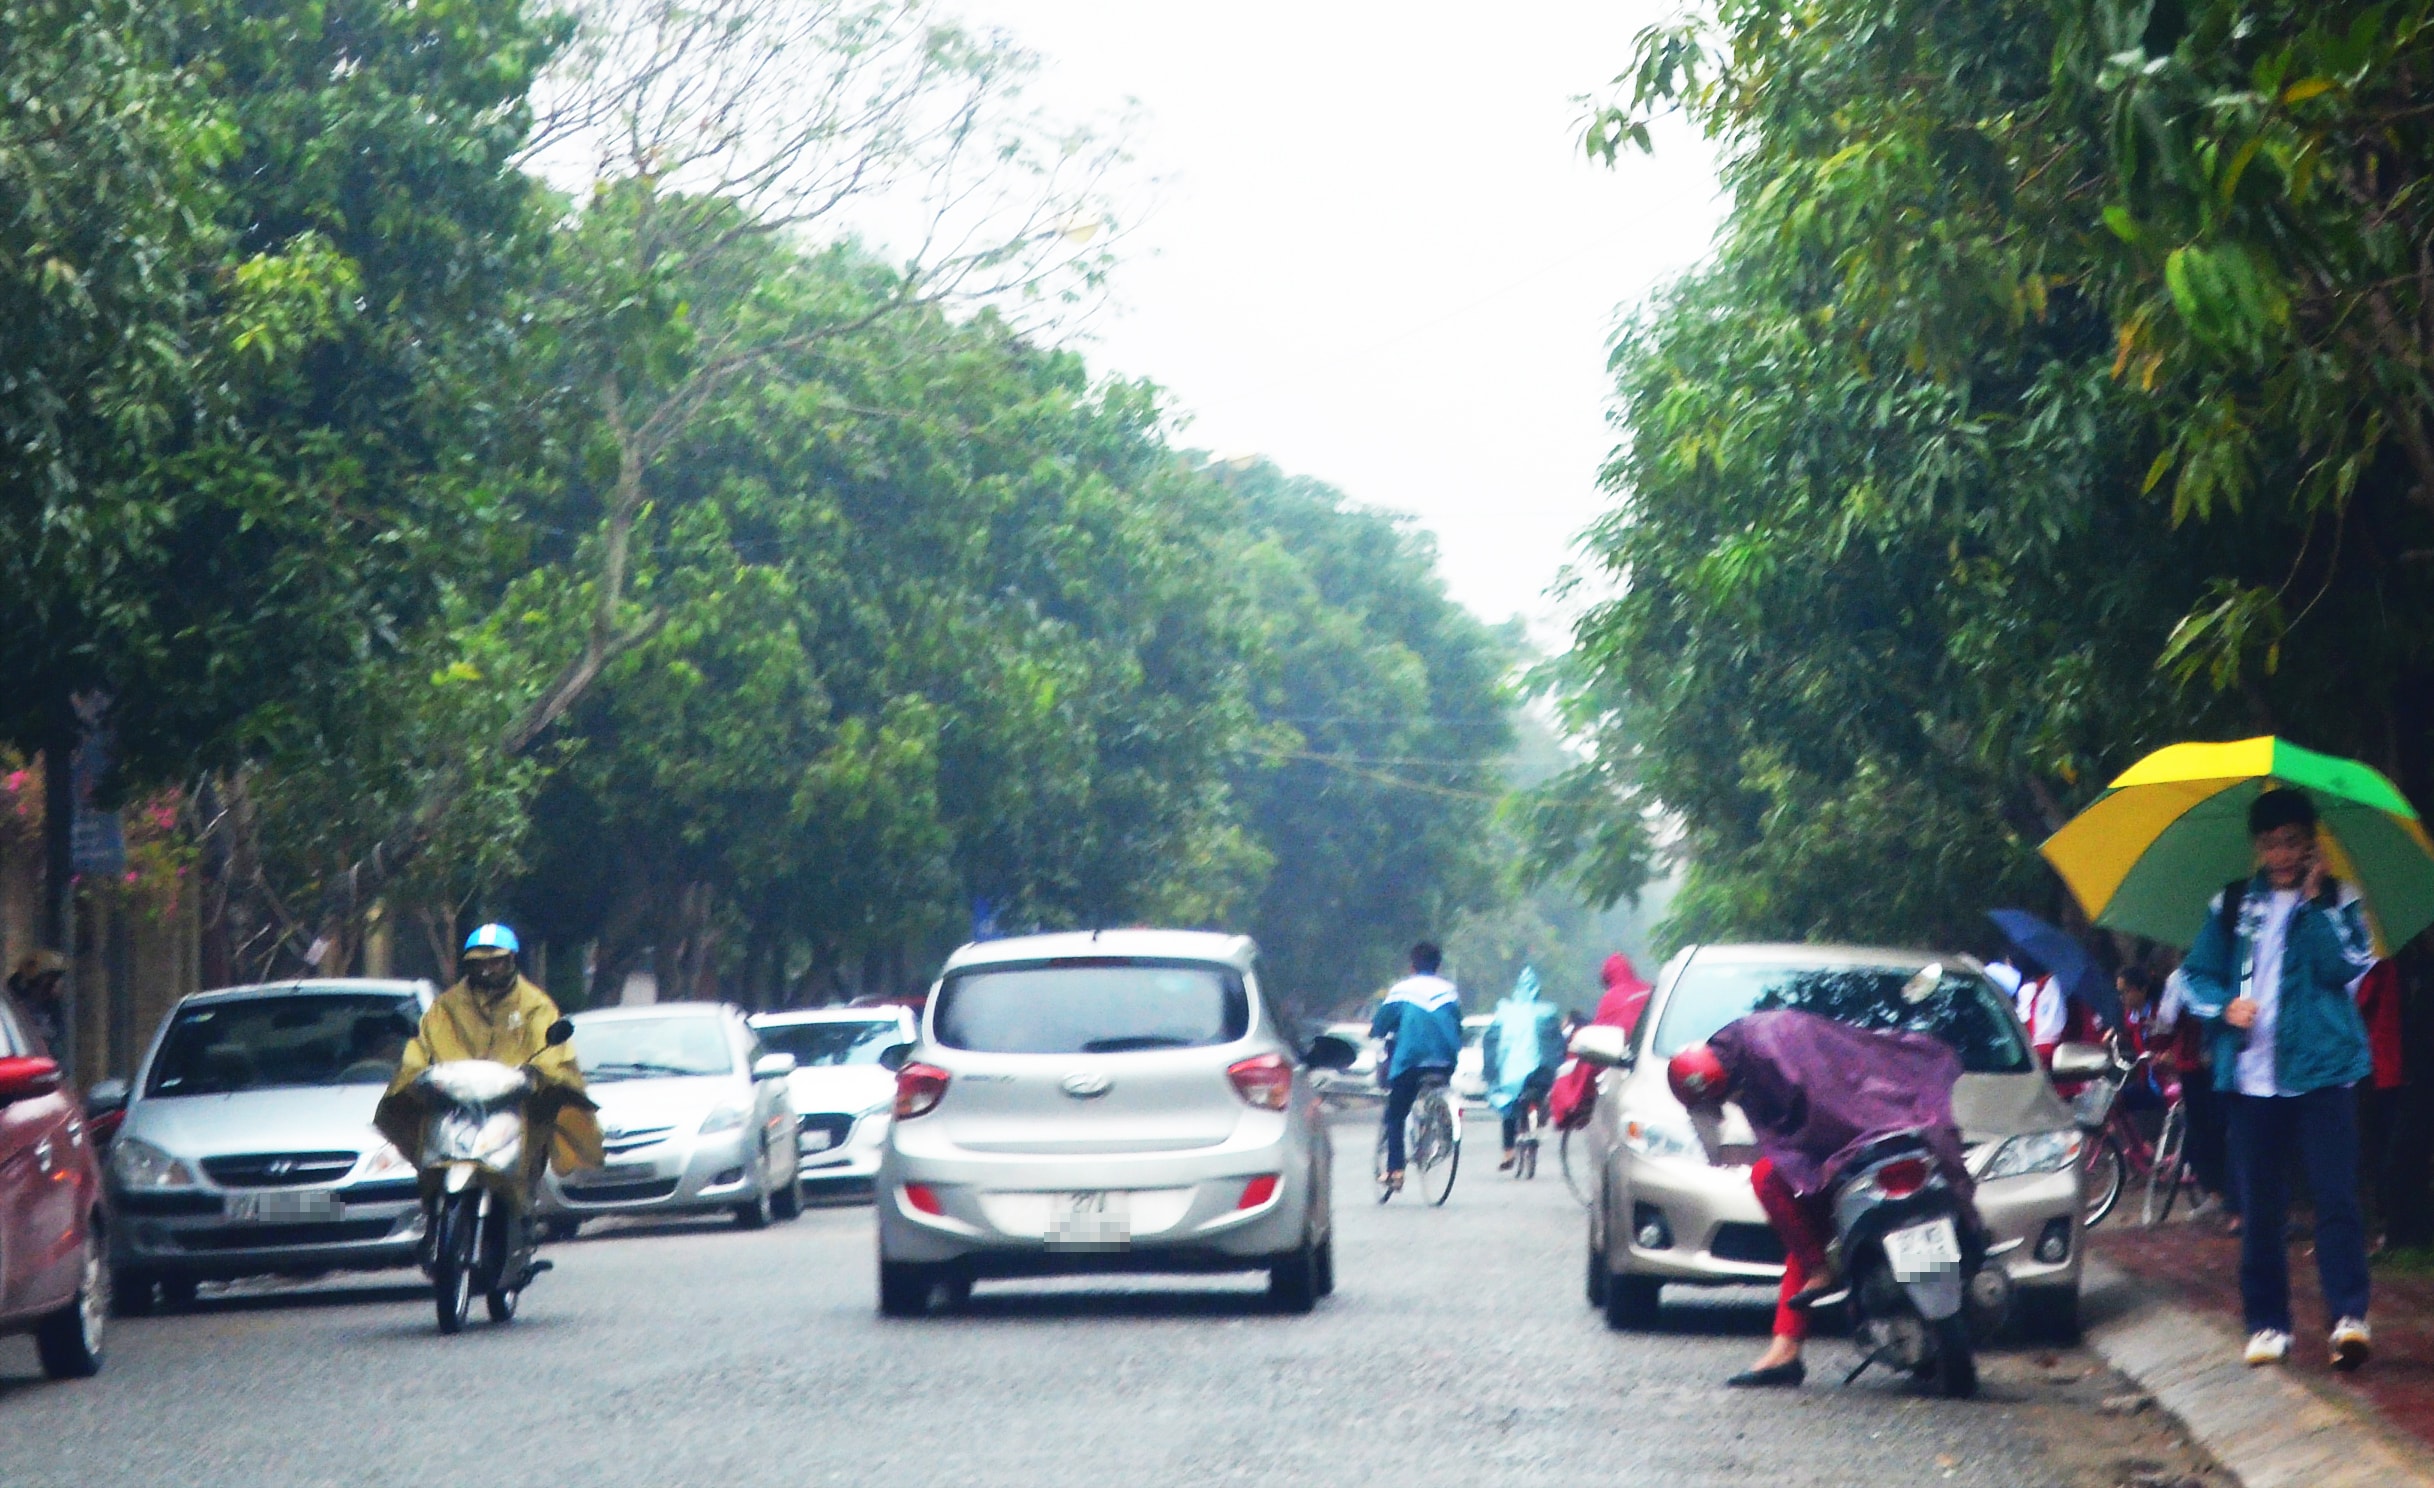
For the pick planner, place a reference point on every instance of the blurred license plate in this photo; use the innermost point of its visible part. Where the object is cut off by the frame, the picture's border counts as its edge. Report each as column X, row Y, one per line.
column 277, row 1208
column 1099, row 1218
column 1924, row 1249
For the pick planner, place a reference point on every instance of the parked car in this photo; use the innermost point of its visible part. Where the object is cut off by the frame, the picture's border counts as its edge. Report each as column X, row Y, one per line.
column 54, row 1232
column 247, row 1147
column 1663, row 1214
column 1470, row 1067
column 1116, row 1101
column 842, row 1092
column 694, row 1119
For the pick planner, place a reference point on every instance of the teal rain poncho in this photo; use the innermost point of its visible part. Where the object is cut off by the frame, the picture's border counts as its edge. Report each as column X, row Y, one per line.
column 1526, row 1037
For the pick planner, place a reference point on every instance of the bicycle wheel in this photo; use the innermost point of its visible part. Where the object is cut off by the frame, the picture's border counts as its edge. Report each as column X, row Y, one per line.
column 2106, row 1169
column 1572, row 1179
column 1378, row 1167
column 2165, row 1179
column 1441, row 1141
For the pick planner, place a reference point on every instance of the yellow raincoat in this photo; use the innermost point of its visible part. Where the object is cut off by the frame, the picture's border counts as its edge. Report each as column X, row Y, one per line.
column 511, row 1029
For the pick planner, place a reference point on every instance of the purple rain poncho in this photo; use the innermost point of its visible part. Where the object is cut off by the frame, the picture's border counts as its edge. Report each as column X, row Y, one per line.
column 1815, row 1091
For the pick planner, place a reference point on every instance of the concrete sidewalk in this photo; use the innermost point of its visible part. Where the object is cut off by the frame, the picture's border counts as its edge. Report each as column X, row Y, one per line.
column 2265, row 1426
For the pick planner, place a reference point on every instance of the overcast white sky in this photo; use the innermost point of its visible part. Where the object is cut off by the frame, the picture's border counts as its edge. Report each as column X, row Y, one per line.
column 1376, row 255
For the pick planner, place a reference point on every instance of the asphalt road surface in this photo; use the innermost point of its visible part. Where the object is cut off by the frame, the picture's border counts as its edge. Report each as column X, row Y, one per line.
column 1457, row 1350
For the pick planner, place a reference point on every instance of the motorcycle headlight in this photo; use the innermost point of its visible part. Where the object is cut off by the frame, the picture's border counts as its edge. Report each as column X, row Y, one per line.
column 1658, row 1137
column 138, row 1164
column 724, row 1118
column 2032, row 1152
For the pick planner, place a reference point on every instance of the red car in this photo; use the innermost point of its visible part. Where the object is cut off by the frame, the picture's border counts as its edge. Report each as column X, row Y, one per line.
column 54, row 1276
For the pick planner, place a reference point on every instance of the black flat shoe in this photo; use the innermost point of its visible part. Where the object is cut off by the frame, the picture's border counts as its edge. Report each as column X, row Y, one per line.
column 1781, row 1377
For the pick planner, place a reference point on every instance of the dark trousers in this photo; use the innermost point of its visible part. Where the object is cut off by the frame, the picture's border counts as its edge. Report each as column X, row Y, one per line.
column 1534, row 1091
column 2209, row 1136
column 2395, row 1126
column 2319, row 1130
column 1400, row 1093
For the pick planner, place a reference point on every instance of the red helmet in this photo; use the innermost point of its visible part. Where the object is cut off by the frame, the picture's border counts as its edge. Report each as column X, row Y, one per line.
column 1697, row 1076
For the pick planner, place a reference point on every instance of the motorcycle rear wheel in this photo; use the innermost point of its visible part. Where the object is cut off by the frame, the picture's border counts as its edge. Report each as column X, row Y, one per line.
column 454, row 1252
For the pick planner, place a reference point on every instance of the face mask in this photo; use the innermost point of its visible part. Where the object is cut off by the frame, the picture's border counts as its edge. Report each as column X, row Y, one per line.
column 493, row 974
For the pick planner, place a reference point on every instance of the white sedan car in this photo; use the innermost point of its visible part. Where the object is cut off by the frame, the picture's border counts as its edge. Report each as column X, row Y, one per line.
column 842, row 1093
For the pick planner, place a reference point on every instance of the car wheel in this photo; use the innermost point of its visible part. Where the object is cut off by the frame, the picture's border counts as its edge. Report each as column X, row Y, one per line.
column 132, row 1292
column 177, row 1292
column 1633, row 1303
column 904, row 1289
column 787, row 1202
column 69, row 1340
column 2047, row 1314
column 1596, row 1281
column 1293, row 1279
column 561, row 1228
column 753, row 1213
column 1326, row 1266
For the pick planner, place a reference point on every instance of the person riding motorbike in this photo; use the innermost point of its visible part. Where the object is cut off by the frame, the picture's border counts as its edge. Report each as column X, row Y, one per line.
column 1523, row 1045
column 1815, row 1093
column 494, row 1013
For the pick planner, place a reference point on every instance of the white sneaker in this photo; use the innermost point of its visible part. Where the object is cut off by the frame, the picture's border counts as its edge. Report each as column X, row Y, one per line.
column 2352, row 1343
column 2267, row 1346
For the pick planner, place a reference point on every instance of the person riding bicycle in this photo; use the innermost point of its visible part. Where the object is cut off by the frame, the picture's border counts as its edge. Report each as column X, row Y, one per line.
column 1815, row 1092
column 1422, row 1019
column 1523, row 1046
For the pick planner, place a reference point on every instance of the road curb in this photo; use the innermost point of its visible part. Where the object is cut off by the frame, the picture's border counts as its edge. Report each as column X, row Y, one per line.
column 2266, row 1427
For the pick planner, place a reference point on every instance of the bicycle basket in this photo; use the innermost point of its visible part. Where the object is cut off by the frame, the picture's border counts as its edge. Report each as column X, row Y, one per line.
column 2094, row 1103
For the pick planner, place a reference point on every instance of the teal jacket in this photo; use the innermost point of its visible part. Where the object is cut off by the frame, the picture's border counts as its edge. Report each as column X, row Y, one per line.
column 2319, row 1039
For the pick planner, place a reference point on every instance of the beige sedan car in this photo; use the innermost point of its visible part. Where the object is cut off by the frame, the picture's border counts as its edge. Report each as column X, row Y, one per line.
column 1661, row 1213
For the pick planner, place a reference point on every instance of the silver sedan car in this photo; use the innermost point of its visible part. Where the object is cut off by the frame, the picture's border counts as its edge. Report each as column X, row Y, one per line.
column 842, row 1089
column 1117, row 1101
column 694, row 1118
column 1663, row 1214
column 248, row 1147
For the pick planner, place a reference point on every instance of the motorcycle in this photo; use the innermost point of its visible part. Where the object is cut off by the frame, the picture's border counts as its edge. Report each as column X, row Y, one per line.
column 1920, row 1281
column 478, row 1116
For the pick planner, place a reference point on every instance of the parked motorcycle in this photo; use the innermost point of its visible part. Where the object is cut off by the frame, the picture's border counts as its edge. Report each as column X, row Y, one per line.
column 1920, row 1281
column 478, row 1118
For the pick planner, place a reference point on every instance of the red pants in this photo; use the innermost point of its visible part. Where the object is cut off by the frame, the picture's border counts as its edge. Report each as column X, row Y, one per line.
column 1802, row 1230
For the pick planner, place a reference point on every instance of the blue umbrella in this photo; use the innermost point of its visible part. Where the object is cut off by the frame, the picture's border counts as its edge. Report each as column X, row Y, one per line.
column 2083, row 981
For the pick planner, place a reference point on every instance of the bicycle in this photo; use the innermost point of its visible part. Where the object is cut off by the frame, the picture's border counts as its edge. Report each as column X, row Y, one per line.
column 2117, row 1153
column 1525, row 1139
column 1432, row 1143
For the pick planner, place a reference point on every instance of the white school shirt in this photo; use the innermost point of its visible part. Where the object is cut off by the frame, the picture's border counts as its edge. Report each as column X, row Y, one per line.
column 2253, row 1072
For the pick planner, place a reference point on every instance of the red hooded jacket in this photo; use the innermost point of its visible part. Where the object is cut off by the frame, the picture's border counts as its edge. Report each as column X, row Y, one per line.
column 1575, row 1093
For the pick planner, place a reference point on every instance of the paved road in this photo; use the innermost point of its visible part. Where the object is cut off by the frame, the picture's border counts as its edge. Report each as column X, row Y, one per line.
column 1457, row 1351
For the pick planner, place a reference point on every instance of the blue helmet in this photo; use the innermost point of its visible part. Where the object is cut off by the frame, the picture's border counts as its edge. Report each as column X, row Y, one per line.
column 494, row 937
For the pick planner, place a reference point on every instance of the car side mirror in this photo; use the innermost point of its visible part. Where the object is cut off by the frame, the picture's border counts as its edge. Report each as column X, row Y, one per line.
column 1330, row 1052
column 894, row 1055
column 24, row 1076
column 2081, row 1061
column 1603, row 1045
column 107, row 1097
column 773, row 1067
column 559, row 1032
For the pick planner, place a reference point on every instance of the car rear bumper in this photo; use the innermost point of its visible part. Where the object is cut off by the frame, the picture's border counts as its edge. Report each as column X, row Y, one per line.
column 1183, row 1210
column 671, row 1177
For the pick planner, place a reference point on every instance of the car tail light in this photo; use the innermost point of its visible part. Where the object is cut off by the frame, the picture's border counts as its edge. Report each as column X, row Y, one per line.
column 924, row 1198
column 1265, row 1080
column 919, row 1088
column 1257, row 1192
column 1902, row 1179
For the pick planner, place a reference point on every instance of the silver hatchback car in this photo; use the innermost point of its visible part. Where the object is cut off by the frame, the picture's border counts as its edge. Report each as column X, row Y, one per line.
column 248, row 1146
column 1663, row 1214
column 1118, row 1101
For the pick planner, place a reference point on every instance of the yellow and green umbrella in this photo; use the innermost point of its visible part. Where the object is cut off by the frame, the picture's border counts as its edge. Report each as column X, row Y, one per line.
column 2173, row 829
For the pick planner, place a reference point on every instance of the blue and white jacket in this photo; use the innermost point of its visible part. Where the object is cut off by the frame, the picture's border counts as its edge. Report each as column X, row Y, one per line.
column 2319, row 1041
column 1423, row 1015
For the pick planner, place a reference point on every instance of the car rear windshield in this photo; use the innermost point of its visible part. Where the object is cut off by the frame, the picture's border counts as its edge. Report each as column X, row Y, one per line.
column 1962, row 1009
column 268, row 1043
column 653, row 1048
column 841, row 1041
column 1092, row 1005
